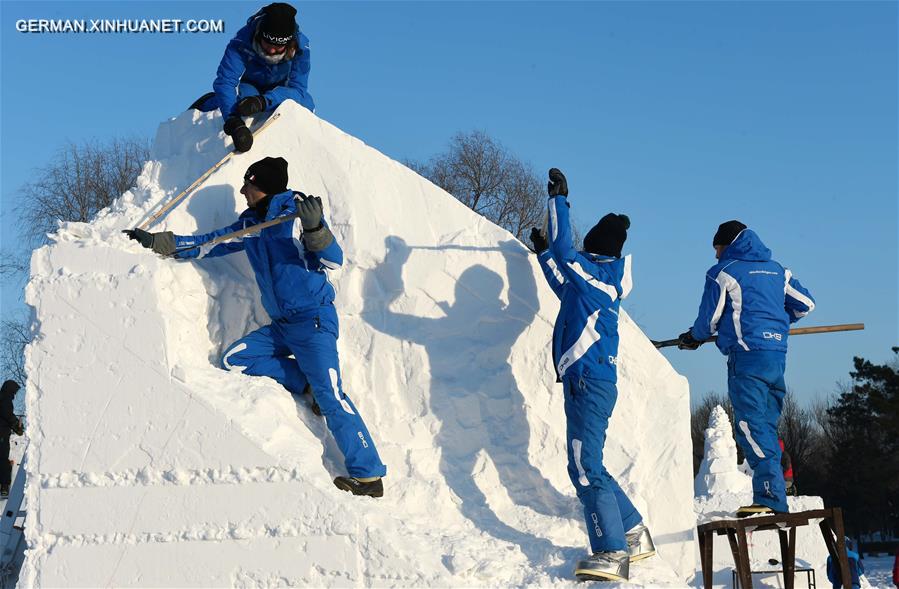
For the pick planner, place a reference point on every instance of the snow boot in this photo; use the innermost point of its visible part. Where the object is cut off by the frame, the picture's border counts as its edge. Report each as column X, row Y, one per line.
column 371, row 488
column 754, row 509
column 639, row 543
column 604, row 566
column 199, row 102
column 4, row 491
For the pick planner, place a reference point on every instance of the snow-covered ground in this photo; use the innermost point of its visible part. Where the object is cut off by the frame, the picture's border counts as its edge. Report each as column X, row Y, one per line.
column 879, row 571
column 150, row 466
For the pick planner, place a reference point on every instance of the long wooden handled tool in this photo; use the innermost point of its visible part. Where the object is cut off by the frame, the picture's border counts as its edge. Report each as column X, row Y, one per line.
column 239, row 233
column 247, row 230
column 795, row 331
column 172, row 203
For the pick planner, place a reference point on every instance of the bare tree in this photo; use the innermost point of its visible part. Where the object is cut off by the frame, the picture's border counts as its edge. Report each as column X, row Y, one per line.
column 801, row 434
column 15, row 336
column 78, row 182
column 488, row 179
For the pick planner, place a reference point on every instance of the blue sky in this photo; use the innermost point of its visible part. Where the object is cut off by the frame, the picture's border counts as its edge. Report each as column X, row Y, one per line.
column 680, row 114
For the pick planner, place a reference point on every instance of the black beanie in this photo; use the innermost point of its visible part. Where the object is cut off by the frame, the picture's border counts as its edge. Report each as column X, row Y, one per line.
column 278, row 26
column 9, row 387
column 728, row 232
column 268, row 175
column 608, row 236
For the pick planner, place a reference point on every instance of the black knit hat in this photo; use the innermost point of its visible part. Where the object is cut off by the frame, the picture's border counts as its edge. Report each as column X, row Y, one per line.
column 278, row 26
column 608, row 236
column 268, row 175
column 9, row 387
column 727, row 232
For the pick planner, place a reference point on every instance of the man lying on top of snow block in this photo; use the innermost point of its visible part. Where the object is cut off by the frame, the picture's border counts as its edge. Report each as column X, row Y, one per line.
column 751, row 300
column 290, row 260
column 265, row 63
column 590, row 285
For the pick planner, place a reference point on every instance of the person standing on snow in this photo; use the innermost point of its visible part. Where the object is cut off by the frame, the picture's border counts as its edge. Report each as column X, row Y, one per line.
column 289, row 260
column 265, row 63
column 751, row 300
column 590, row 285
column 9, row 423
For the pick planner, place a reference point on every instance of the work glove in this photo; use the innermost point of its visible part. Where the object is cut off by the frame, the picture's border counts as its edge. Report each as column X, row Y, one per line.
column 686, row 341
column 18, row 428
column 558, row 185
column 309, row 209
column 237, row 129
column 162, row 243
column 539, row 240
column 251, row 105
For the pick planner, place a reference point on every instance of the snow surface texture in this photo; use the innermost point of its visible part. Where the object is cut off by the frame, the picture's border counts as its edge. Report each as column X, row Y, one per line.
column 722, row 486
column 150, row 466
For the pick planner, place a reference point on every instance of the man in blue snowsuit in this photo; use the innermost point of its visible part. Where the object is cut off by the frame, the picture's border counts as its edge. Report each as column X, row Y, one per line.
column 590, row 285
column 289, row 260
column 856, row 568
column 265, row 63
column 751, row 300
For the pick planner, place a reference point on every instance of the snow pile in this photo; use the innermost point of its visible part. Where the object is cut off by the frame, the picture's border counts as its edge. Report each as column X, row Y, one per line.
column 152, row 467
column 722, row 486
column 718, row 471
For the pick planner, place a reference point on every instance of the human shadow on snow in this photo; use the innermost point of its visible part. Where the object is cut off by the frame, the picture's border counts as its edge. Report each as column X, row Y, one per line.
column 474, row 394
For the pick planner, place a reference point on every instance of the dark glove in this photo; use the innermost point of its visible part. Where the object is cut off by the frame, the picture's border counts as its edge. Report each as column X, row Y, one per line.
column 251, row 105
column 558, row 185
column 315, row 235
column 162, row 243
column 237, row 129
column 791, row 488
column 686, row 341
column 309, row 209
column 539, row 240
column 18, row 428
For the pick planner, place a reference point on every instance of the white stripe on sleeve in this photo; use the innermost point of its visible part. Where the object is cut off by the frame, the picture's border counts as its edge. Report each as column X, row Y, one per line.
column 551, row 263
column 790, row 291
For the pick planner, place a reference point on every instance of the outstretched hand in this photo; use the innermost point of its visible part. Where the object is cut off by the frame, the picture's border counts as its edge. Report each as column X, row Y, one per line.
column 145, row 238
column 162, row 243
column 557, row 185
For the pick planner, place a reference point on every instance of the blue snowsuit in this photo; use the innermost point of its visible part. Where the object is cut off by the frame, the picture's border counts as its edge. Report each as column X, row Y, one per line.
column 243, row 72
column 585, row 348
column 299, row 299
column 856, row 570
column 751, row 300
